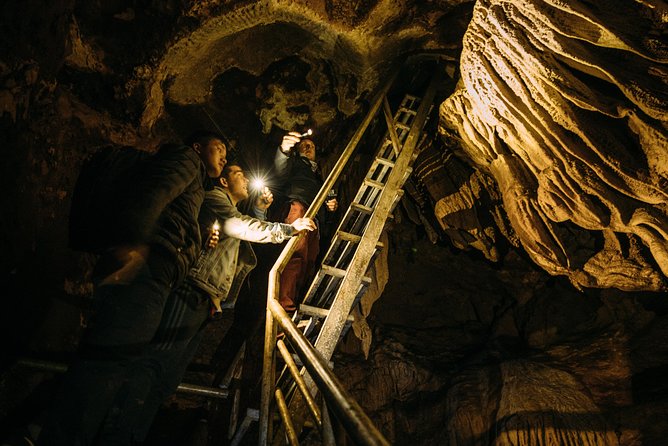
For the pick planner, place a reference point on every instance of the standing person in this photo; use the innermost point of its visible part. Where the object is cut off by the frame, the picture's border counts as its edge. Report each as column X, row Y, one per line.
column 300, row 179
column 132, row 283
column 212, row 284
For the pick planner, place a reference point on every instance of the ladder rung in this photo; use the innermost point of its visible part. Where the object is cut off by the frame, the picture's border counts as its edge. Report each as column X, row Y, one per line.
column 401, row 125
column 407, row 174
column 385, row 162
column 361, row 208
column 373, row 183
column 338, row 272
column 348, row 237
column 309, row 310
column 407, row 110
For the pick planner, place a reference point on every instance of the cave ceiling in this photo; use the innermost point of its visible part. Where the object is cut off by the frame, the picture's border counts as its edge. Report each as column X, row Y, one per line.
column 553, row 140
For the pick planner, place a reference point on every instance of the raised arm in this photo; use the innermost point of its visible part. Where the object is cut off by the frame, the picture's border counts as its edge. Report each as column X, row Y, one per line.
column 282, row 156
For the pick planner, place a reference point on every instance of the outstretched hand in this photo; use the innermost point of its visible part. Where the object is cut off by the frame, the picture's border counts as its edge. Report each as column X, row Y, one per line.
column 289, row 141
column 302, row 224
column 265, row 199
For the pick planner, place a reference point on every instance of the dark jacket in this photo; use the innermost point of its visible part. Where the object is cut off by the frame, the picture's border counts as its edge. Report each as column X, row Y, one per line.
column 165, row 207
column 296, row 177
column 298, row 181
column 220, row 271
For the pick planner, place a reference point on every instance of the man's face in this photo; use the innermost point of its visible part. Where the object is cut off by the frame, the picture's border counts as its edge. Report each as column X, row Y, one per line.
column 306, row 149
column 236, row 183
column 213, row 155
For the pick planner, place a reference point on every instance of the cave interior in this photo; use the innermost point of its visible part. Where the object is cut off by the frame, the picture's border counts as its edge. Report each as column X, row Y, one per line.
column 521, row 295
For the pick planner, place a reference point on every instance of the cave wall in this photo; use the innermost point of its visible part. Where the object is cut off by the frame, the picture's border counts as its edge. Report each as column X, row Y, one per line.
column 467, row 352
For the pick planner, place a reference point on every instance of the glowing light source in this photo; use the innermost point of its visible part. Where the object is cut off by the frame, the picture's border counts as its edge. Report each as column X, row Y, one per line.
column 309, row 132
column 258, row 184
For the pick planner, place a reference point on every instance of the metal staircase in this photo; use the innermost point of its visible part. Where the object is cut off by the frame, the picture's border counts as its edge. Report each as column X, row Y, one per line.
column 321, row 320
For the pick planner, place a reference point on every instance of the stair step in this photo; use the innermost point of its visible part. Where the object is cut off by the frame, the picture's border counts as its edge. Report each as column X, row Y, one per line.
column 385, row 162
column 407, row 174
column 361, row 208
column 321, row 313
column 373, row 183
column 353, row 238
column 407, row 110
column 338, row 272
column 402, row 126
column 348, row 237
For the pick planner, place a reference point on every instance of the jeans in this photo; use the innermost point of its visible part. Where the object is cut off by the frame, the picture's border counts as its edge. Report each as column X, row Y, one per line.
column 301, row 265
column 172, row 348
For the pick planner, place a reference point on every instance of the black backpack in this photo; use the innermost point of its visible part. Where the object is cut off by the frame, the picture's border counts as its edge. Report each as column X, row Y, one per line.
column 104, row 186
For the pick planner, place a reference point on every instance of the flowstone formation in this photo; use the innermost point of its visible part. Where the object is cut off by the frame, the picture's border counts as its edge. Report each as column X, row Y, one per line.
column 565, row 105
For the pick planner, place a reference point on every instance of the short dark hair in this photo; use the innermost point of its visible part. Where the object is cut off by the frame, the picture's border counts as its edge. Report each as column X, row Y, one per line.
column 234, row 161
column 204, row 137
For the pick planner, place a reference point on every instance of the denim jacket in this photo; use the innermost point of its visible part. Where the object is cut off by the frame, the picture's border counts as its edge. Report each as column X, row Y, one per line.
column 220, row 271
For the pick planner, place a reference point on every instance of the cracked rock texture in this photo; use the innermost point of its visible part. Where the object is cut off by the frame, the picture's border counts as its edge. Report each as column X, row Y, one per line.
column 565, row 106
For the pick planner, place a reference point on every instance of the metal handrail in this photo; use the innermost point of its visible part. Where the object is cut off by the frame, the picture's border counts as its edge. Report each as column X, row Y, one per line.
column 301, row 384
column 279, row 266
column 59, row 367
column 358, row 425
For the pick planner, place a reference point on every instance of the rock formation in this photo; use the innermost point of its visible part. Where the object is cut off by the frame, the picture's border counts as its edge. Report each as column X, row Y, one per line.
column 564, row 105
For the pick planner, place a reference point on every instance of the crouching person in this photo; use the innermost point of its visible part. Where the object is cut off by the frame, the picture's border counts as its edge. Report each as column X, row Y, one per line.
column 212, row 284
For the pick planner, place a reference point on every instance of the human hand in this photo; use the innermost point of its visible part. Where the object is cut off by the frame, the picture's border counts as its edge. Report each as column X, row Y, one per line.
column 289, row 141
column 265, row 199
column 214, row 238
column 214, row 235
column 302, row 224
column 128, row 259
column 332, row 204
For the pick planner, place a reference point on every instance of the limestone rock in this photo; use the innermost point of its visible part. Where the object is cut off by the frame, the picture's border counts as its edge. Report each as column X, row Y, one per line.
column 566, row 107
